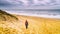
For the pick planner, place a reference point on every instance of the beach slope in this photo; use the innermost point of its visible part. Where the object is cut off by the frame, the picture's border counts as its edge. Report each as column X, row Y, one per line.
column 15, row 24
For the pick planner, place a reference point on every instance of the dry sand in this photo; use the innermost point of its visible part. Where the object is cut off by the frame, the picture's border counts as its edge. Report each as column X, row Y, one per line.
column 36, row 25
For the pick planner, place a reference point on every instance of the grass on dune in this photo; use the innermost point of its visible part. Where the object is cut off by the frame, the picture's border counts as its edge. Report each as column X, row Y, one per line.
column 41, row 25
column 37, row 25
column 8, row 31
column 6, row 16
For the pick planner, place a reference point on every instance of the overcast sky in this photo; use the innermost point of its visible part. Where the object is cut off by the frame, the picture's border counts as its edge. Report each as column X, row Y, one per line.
column 18, row 4
column 32, row 4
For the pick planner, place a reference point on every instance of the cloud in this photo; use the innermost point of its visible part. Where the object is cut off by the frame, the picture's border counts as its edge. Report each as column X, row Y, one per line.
column 30, row 3
column 11, row 2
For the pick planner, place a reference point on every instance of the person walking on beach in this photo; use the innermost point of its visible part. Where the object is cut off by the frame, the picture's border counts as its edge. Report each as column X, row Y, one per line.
column 26, row 24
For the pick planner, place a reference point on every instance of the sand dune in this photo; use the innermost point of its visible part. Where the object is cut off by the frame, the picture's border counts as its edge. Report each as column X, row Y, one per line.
column 36, row 25
column 41, row 25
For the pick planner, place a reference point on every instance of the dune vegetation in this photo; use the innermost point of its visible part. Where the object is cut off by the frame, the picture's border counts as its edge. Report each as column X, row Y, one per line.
column 15, row 24
column 5, row 20
column 4, row 16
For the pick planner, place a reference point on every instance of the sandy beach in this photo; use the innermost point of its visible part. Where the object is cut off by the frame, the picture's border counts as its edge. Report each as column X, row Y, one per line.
column 36, row 25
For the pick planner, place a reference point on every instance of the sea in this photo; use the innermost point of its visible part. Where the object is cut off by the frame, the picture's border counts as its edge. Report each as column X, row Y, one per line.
column 46, row 13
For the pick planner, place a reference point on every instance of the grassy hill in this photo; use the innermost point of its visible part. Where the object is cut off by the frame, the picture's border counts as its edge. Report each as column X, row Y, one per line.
column 4, row 16
column 15, row 24
column 39, row 25
column 6, row 20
